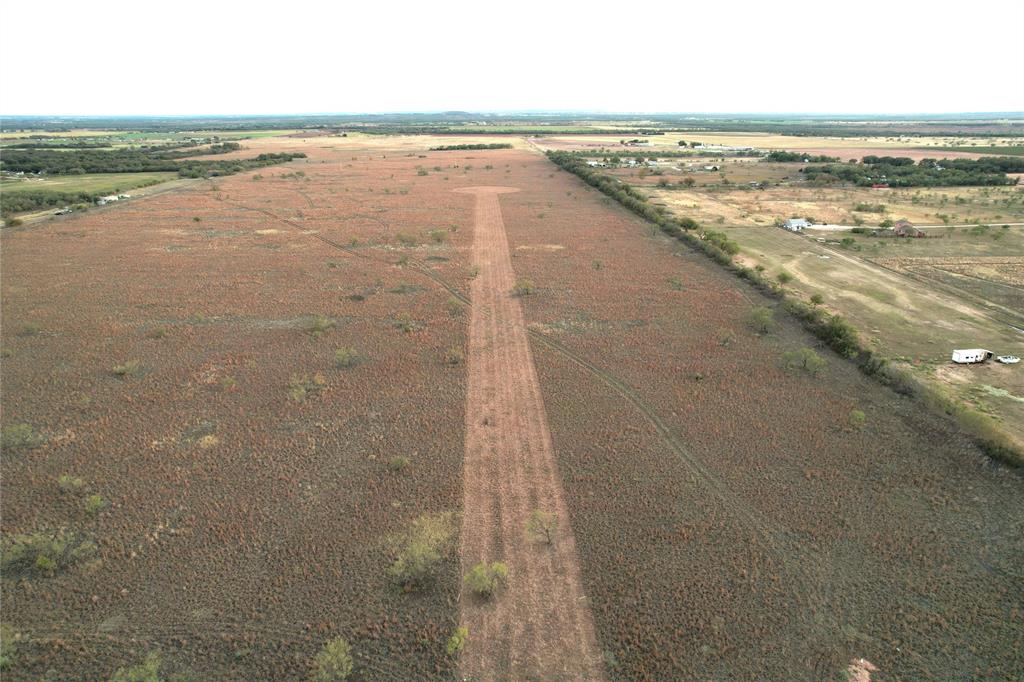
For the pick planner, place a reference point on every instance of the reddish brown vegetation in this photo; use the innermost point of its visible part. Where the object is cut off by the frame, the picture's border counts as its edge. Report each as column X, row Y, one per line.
column 728, row 521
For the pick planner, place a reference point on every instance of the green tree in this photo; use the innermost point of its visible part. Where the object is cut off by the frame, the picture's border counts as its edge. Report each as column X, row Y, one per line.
column 761, row 319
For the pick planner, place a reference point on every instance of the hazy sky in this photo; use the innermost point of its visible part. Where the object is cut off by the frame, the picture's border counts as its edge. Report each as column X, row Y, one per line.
column 208, row 58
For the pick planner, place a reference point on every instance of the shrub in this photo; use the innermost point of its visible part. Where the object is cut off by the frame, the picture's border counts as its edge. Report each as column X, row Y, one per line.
column 405, row 322
column 9, row 646
column 15, row 437
column 43, row 551
column 438, row 236
column 457, row 641
column 817, row 299
column 805, row 359
column 453, row 305
column 857, row 418
column 30, row 329
column 453, row 356
column 761, row 319
column 13, row 222
column 69, row 483
column 542, row 525
column 345, row 357
column 523, row 287
column 94, row 504
column 484, row 579
column 302, row 385
column 784, row 277
column 320, row 325
column 422, row 548
column 398, row 463
column 334, row 662
column 132, row 368
column 147, row 671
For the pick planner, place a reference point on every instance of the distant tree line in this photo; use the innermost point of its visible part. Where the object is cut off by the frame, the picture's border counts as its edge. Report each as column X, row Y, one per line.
column 126, row 160
column 460, row 147
column 904, row 172
column 782, row 156
column 31, row 200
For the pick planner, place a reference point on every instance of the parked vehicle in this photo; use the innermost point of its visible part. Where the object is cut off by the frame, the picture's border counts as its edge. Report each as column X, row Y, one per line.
column 1008, row 359
column 968, row 356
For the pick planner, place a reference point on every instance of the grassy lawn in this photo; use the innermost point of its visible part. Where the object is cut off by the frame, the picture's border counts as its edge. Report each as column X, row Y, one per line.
column 97, row 182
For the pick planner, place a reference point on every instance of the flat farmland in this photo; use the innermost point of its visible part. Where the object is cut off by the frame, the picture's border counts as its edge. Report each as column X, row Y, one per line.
column 728, row 518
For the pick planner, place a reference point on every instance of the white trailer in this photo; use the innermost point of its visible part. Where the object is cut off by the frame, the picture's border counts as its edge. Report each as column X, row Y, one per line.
column 968, row 356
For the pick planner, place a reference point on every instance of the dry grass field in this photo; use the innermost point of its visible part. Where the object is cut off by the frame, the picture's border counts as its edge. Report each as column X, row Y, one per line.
column 230, row 490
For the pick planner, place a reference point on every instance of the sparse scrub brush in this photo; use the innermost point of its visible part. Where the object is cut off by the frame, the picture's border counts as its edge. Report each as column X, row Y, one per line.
column 320, row 325
column 457, row 641
column 453, row 356
column 147, row 671
column 484, row 579
column 523, row 287
column 15, row 437
column 345, row 358
column 542, row 526
column 805, row 359
column 422, row 548
column 761, row 319
column 132, row 368
column 334, row 662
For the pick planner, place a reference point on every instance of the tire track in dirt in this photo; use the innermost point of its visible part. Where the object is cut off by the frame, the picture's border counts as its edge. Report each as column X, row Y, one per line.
column 539, row 626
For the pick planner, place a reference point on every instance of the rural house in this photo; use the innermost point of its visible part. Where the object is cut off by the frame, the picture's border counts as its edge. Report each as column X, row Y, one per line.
column 795, row 224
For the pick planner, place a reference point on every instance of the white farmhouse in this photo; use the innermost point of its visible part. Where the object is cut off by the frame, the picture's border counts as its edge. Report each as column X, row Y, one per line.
column 795, row 224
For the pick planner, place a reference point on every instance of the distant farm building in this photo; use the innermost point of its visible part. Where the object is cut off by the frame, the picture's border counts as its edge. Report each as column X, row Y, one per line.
column 795, row 224
column 904, row 228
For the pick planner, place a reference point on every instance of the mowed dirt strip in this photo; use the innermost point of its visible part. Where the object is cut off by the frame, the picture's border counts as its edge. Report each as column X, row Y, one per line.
column 539, row 626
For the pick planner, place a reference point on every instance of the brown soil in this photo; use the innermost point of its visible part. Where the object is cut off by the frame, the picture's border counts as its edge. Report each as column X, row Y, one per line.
column 541, row 625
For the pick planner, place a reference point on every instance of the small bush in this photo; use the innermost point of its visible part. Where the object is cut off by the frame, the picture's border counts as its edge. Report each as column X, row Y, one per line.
column 147, row 671
column 132, row 368
column 320, row 325
column 761, row 319
column 484, row 579
column 43, row 552
column 9, row 645
column 345, row 358
column 805, row 359
column 13, row 222
column 857, row 418
column 438, row 236
column 301, row 385
column 454, row 306
column 524, row 287
column 15, row 437
column 405, row 322
column 334, row 662
column 542, row 526
column 398, row 463
column 422, row 548
column 453, row 356
column 29, row 329
column 784, row 277
column 817, row 299
column 457, row 641
column 69, row 483
column 94, row 504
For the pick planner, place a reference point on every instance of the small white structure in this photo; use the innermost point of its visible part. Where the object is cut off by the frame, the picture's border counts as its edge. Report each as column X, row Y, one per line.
column 795, row 224
column 968, row 356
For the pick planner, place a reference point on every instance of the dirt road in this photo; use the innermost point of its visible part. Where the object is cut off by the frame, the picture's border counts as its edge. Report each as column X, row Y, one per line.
column 539, row 626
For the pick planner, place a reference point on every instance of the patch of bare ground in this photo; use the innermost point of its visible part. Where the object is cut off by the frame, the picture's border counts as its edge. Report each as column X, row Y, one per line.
column 540, row 627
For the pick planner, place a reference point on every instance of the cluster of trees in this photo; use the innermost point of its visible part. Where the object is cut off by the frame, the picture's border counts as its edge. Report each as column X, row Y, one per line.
column 782, row 156
column 460, row 147
column 904, row 172
column 33, row 200
column 88, row 160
